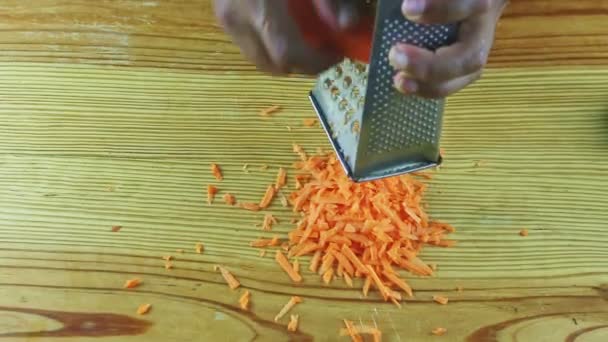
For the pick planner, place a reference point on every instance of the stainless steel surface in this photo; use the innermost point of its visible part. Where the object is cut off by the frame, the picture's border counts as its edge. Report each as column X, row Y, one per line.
column 377, row 131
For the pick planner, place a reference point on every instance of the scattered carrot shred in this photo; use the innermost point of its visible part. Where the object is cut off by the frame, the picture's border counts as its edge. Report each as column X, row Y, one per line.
column 443, row 300
column 229, row 199
column 251, row 206
column 199, row 247
column 211, row 192
column 244, row 300
column 281, row 178
column 263, row 253
column 523, row 232
column 300, row 151
column 228, row 277
column 270, row 110
column 293, row 323
column 116, row 228
column 271, row 191
column 283, row 200
column 287, row 267
column 293, row 301
column 144, row 309
column 269, row 220
column 439, row 331
column 261, row 243
column 296, row 265
column 132, row 283
column 352, row 331
column 168, row 265
column 167, row 257
column 217, row 172
column 364, row 330
column 310, row 122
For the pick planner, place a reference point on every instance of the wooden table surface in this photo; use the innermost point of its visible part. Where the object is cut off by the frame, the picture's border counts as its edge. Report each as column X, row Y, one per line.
column 111, row 112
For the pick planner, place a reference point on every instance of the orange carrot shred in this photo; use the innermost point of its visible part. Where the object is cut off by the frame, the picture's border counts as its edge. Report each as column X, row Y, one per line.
column 293, row 301
column 199, row 247
column 116, row 228
column 217, row 172
column 229, row 199
column 211, row 192
column 266, row 242
column 296, row 265
column 270, row 110
column 439, row 331
column 293, row 323
column 269, row 220
column 523, row 232
column 132, row 283
column 310, row 122
column 228, row 277
column 244, row 300
column 364, row 330
column 367, row 285
column 348, row 280
column 400, row 283
column 268, row 197
column 352, row 331
column 251, row 206
column 328, row 276
column 144, row 309
column 281, row 178
column 443, row 300
column 314, row 262
column 287, row 267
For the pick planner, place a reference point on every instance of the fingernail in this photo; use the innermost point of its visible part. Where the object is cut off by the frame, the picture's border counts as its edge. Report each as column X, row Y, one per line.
column 397, row 57
column 413, row 8
column 404, row 84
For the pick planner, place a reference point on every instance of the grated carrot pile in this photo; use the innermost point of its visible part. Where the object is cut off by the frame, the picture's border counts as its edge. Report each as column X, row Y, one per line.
column 217, row 172
column 211, row 192
column 362, row 230
column 228, row 277
column 144, row 309
column 290, row 304
column 132, row 283
column 293, row 323
column 244, row 300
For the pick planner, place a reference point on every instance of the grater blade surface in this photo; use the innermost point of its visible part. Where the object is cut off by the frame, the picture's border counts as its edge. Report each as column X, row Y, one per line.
column 376, row 131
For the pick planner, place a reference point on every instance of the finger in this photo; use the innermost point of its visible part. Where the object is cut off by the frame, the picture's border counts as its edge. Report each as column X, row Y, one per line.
column 338, row 14
column 410, row 86
column 468, row 55
column 443, row 11
column 242, row 33
column 284, row 43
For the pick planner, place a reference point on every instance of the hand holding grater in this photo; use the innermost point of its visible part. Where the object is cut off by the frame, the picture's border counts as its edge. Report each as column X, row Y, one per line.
column 376, row 131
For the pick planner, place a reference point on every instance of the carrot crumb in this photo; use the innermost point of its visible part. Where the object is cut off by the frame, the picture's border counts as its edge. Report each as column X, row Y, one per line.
column 523, row 232
column 352, row 331
column 211, row 192
column 284, row 201
column 270, row 110
column 168, row 265
column 228, row 277
column 260, row 243
column 229, row 199
column 144, row 309
column 251, row 206
column 281, row 178
column 132, row 283
column 293, row 323
column 244, row 300
column 199, row 247
column 310, row 122
column 217, row 172
column 167, row 257
column 269, row 220
column 116, row 228
column 290, row 304
column 443, row 300
column 439, row 331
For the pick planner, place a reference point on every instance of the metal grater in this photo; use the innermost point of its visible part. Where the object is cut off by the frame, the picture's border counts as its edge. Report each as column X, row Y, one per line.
column 376, row 131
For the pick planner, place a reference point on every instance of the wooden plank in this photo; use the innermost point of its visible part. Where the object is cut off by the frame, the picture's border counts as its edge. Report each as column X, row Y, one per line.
column 107, row 120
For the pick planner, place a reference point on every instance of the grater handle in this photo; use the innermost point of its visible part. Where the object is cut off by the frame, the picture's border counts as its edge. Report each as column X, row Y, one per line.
column 355, row 43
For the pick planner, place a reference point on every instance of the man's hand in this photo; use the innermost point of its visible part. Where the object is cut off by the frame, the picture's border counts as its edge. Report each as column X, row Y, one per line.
column 449, row 69
column 267, row 35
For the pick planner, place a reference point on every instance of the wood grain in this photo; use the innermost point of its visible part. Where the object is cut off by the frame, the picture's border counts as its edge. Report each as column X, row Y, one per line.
column 109, row 120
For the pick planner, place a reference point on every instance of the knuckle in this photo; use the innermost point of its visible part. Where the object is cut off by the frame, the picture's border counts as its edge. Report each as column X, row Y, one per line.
column 476, row 61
